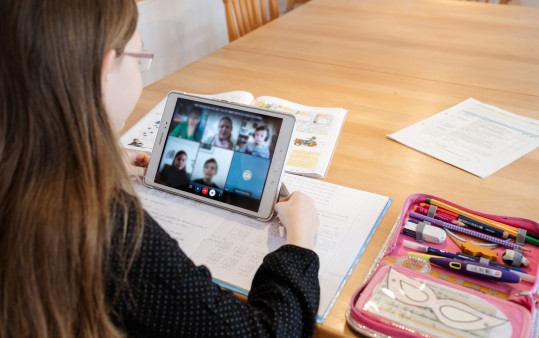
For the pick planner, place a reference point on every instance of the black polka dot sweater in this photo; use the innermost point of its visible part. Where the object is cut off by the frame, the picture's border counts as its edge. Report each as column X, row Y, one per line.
column 166, row 295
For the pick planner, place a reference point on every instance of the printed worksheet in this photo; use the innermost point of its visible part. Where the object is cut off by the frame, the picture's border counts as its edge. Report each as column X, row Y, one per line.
column 473, row 136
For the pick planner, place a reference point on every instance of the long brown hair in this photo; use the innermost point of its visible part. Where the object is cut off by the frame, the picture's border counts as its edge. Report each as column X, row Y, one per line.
column 60, row 166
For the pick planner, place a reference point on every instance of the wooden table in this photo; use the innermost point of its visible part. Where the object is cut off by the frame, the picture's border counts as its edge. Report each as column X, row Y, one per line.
column 391, row 63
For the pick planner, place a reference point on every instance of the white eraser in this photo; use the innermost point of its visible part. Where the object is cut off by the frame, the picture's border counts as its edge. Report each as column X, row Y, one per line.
column 430, row 233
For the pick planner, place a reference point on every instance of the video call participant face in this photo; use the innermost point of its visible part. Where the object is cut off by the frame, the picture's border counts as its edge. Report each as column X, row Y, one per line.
column 210, row 170
column 179, row 161
column 225, row 128
column 260, row 136
column 193, row 119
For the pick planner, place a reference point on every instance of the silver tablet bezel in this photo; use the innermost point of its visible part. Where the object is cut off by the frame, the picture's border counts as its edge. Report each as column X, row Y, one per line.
column 275, row 171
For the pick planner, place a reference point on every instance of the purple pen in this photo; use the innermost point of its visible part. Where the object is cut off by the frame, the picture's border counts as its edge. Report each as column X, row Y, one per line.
column 468, row 231
column 476, row 270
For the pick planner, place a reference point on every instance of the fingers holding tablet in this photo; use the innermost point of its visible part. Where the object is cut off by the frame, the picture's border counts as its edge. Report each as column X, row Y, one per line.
column 298, row 214
column 136, row 163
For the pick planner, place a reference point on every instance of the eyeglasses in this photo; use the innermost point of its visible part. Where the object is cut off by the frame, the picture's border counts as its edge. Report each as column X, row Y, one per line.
column 145, row 58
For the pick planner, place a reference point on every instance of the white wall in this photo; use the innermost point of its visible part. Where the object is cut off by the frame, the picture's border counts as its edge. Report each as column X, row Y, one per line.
column 180, row 32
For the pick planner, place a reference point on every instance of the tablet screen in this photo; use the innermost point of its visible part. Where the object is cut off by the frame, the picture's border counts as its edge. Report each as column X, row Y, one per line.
column 218, row 153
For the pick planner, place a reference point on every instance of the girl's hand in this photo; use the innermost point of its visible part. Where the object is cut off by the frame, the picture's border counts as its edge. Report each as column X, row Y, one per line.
column 298, row 214
column 136, row 163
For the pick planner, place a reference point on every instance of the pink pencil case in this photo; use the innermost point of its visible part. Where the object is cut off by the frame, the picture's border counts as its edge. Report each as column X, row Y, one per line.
column 408, row 296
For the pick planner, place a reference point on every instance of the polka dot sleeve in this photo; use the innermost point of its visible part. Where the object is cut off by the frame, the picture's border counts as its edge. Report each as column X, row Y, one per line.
column 166, row 295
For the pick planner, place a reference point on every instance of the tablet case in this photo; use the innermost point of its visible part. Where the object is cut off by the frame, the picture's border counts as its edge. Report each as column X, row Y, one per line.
column 404, row 296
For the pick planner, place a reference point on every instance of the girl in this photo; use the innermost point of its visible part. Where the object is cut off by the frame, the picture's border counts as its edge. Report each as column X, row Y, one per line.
column 79, row 257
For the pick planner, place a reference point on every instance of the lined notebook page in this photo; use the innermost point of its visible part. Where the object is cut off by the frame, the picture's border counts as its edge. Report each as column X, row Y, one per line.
column 232, row 246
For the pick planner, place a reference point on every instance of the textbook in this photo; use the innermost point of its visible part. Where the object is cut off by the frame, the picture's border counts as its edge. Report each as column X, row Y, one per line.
column 313, row 142
column 232, row 246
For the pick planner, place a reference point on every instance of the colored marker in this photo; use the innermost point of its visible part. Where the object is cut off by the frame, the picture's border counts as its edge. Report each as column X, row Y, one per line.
column 472, row 269
column 439, row 209
column 493, row 223
column 438, row 215
column 466, row 221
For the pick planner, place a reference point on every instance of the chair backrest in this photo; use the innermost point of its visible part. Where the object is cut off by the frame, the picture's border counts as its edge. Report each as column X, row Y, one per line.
column 501, row 2
column 292, row 3
column 243, row 16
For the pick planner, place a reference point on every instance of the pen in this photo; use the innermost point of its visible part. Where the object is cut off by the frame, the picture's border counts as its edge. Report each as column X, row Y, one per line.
column 484, row 227
column 457, row 255
column 283, row 192
column 438, row 215
column 433, row 251
column 472, row 269
column 442, row 210
column 470, row 232
column 513, row 231
column 458, row 219
column 454, row 218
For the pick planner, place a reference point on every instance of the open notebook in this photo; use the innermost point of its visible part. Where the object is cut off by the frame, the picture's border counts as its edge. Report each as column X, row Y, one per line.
column 232, row 246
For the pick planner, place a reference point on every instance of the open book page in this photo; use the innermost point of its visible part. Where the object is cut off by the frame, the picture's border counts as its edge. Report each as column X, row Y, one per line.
column 473, row 136
column 233, row 246
column 141, row 136
column 315, row 136
column 313, row 142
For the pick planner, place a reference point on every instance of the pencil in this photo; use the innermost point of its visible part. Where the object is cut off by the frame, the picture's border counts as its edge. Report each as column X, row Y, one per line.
column 283, row 192
column 467, row 231
column 513, row 231
column 466, row 221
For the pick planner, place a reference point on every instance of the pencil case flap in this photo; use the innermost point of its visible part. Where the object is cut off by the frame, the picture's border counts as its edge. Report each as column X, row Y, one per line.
column 401, row 302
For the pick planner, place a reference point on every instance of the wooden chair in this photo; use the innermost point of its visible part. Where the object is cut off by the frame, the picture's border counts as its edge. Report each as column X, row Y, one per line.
column 292, row 3
column 243, row 16
column 501, row 2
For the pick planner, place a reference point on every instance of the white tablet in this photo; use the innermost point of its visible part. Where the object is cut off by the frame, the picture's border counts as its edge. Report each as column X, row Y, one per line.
column 221, row 153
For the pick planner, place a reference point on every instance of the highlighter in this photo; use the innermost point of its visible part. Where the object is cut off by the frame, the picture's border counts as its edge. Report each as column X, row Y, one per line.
column 471, row 269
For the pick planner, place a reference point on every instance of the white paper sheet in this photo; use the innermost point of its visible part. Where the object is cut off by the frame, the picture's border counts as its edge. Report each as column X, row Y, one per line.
column 473, row 136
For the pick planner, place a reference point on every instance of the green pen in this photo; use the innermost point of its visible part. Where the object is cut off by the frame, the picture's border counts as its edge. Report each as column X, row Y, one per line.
column 495, row 224
column 531, row 240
